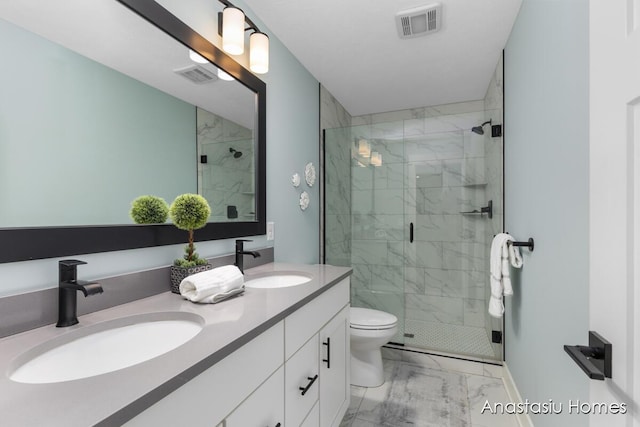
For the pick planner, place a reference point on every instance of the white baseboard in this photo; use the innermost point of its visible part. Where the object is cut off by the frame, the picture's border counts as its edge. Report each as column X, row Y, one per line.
column 514, row 395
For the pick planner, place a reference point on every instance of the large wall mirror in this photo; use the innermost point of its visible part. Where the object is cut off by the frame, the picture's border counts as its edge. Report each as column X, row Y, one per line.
column 104, row 101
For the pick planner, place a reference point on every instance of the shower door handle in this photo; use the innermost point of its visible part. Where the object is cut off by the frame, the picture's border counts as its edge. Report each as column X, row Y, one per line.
column 411, row 232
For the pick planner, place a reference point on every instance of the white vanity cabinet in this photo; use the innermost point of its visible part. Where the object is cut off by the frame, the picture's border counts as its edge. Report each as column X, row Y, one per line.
column 280, row 378
column 265, row 406
column 321, row 325
column 334, row 368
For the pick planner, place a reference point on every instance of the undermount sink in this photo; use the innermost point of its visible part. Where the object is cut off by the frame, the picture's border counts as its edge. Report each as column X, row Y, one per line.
column 105, row 347
column 277, row 279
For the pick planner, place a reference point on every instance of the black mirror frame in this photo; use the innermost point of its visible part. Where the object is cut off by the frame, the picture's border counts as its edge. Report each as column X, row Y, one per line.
column 23, row 244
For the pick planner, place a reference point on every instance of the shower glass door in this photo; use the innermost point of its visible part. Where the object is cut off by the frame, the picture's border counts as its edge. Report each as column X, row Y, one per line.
column 446, row 253
column 399, row 203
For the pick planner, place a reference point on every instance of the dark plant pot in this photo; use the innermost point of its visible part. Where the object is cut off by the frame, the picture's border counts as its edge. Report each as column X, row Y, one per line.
column 179, row 273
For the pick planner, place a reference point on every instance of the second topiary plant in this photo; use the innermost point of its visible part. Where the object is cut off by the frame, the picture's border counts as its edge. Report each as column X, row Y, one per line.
column 188, row 212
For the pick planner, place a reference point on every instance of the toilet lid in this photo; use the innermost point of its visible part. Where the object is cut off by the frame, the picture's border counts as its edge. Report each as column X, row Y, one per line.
column 366, row 318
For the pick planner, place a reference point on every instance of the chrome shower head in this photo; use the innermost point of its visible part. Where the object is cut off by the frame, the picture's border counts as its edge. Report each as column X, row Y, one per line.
column 236, row 154
column 479, row 129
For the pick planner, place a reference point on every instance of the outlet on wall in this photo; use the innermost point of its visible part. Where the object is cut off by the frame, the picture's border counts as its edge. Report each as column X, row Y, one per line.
column 271, row 231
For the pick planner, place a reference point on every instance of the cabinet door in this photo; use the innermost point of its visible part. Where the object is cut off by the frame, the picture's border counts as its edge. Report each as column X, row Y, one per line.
column 313, row 419
column 265, row 406
column 334, row 369
column 301, row 376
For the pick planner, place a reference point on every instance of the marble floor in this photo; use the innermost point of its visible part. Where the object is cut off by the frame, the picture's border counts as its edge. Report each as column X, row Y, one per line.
column 430, row 391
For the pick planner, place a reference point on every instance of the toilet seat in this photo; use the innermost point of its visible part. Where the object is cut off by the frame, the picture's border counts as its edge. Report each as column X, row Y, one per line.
column 369, row 319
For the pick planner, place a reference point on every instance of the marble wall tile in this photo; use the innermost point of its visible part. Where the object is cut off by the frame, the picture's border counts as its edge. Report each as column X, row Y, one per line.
column 332, row 113
column 430, row 308
column 467, row 171
column 414, row 280
column 439, row 228
column 369, row 252
column 474, row 312
column 424, row 174
column 378, row 227
column 435, row 280
column 449, row 200
column 464, row 256
column 386, row 176
column 392, row 151
column 474, row 144
column 388, row 278
column 435, row 146
column 423, row 254
column 455, row 108
column 453, row 122
column 378, row 201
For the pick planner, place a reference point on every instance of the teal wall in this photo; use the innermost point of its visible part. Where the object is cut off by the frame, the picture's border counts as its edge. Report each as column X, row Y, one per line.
column 546, row 197
column 292, row 141
column 75, row 130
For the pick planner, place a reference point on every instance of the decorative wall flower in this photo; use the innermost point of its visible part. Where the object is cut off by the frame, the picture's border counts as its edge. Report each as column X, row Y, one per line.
column 304, row 200
column 310, row 174
column 295, row 179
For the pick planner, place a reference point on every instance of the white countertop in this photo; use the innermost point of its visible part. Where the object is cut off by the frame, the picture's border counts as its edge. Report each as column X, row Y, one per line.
column 111, row 398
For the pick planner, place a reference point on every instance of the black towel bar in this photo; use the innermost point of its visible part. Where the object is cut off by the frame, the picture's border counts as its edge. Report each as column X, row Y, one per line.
column 528, row 244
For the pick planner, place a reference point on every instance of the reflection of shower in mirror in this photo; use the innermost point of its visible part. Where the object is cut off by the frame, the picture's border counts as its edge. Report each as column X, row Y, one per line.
column 236, row 154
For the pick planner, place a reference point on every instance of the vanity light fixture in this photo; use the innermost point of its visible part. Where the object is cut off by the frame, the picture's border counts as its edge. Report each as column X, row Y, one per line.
column 231, row 27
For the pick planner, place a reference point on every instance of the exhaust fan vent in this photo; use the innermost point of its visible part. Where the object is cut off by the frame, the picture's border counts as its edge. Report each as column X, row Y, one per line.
column 419, row 21
column 197, row 74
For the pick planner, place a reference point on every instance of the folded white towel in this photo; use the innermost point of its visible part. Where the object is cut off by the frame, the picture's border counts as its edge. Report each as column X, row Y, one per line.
column 214, row 285
column 502, row 255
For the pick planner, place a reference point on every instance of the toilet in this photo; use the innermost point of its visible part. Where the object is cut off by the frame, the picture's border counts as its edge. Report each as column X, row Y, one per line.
column 370, row 330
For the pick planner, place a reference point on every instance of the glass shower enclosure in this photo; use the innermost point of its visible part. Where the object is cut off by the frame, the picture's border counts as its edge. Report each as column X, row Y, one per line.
column 412, row 205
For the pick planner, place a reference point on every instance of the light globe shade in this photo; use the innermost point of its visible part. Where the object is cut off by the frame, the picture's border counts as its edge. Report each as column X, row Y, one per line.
column 196, row 57
column 376, row 159
column 364, row 149
column 233, row 30
column 224, row 76
column 259, row 52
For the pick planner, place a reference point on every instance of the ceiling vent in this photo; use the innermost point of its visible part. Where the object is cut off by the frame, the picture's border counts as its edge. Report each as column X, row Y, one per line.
column 419, row 21
column 197, row 74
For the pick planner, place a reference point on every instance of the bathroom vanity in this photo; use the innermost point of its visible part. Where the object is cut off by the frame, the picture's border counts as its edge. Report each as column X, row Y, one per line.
column 274, row 356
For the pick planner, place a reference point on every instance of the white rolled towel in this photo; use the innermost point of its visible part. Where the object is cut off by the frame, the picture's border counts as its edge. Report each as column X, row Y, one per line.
column 214, row 285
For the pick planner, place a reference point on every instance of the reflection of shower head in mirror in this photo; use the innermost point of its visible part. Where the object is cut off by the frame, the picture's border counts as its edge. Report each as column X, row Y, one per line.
column 478, row 129
column 236, row 154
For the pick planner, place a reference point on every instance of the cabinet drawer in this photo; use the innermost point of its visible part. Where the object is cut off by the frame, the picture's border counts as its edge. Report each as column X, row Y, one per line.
column 265, row 406
column 301, row 372
column 309, row 319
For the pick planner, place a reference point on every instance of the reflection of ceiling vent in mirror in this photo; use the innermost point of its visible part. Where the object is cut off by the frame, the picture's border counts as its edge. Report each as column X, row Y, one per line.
column 197, row 74
column 419, row 21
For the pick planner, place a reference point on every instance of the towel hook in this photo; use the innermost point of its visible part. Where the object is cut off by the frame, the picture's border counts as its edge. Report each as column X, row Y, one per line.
column 528, row 243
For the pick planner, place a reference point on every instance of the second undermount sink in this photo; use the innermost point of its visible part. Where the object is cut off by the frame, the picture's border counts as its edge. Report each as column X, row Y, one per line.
column 105, row 347
column 277, row 279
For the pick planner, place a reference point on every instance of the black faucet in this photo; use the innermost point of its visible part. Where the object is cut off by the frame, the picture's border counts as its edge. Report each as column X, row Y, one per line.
column 240, row 253
column 68, row 287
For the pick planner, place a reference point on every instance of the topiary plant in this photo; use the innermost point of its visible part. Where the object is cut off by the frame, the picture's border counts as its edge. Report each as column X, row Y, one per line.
column 149, row 210
column 190, row 212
